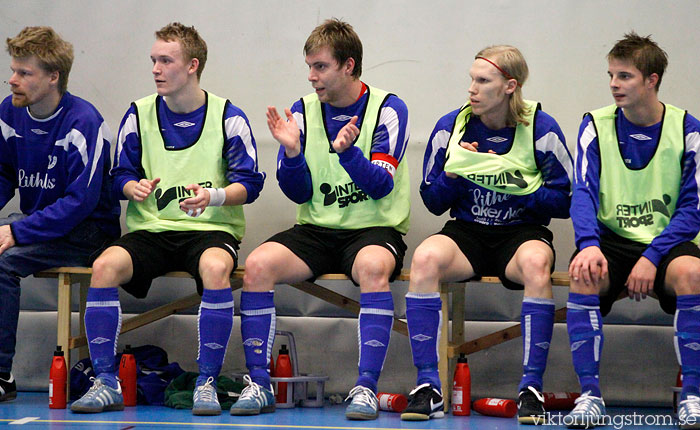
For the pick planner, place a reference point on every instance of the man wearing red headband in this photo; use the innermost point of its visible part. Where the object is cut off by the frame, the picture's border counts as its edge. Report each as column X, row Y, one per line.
column 501, row 166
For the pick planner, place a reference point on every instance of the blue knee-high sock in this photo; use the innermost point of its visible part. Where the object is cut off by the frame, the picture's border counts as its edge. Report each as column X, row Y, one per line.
column 258, row 319
column 103, row 322
column 687, row 342
column 214, row 329
column 537, row 323
column 424, row 319
column 585, row 326
column 374, row 332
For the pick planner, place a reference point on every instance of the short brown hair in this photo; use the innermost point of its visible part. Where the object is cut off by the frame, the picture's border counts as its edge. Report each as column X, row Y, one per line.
column 643, row 52
column 341, row 38
column 54, row 54
column 193, row 46
column 511, row 61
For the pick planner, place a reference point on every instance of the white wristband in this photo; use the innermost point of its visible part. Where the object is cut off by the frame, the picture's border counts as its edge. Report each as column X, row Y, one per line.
column 217, row 196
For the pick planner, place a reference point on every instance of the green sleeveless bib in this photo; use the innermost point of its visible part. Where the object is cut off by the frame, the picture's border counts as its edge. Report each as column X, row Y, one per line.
column 514, row 172
column 200, row 163
column 638, row 204
column 336, row 201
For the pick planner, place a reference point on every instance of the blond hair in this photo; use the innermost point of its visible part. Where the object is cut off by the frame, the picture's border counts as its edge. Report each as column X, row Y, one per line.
column 54, row 54
column 341, row 38
column 513, row 66
column 193, row 46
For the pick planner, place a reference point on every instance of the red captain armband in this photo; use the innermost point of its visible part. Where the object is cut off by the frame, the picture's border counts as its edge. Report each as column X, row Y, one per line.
column 386, row 162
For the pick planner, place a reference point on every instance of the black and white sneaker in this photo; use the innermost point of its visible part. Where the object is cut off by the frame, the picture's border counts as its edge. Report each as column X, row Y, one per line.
column 8, row 389
column 424, row 402
column 531, row 407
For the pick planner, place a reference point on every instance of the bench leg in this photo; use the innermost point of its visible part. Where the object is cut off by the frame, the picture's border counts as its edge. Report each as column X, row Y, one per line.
column 64, row 311
column 83, row 351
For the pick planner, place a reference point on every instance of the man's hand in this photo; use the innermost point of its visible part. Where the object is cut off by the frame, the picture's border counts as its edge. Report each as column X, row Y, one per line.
column 346, row 136
column 138, row 191
column 194, row 206
column 589, row 265
column 469, row 147
column 641, row 279
column 7, row 241
column 285, row 132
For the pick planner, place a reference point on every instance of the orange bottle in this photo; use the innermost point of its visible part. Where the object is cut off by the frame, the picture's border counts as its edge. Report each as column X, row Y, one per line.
column 496, row 407
column 58, row 376
column 127, row 374
column 462, row 388
column 283, row 369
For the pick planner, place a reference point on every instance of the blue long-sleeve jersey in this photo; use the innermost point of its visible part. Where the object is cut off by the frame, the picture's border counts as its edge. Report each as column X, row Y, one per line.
column 180, row 131
column 470, row 202
column 60, row 166
column 388, row 146
column 637, row 146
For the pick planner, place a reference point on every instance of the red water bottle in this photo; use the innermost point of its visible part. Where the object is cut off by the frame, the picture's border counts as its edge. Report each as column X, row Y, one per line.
column 127, row 374
column 560, row 400
column 58, row 376
column 284, row 370
column 496, row 407
column 462, row 388
column 392, row 402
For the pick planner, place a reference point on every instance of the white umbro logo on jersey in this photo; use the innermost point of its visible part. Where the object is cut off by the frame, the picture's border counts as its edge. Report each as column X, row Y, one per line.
column 640, row 136
column 99, row 340
column 184, row 124
column 497, row 139
column 39, row 131
column 342, row 118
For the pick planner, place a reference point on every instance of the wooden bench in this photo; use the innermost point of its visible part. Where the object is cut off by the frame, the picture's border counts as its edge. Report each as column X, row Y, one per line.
column 450, row 346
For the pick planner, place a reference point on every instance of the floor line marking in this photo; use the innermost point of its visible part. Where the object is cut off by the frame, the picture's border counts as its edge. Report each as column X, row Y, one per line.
column 24, row 420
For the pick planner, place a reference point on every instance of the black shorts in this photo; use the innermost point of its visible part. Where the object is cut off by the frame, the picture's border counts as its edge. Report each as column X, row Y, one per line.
column 329, row 250
column 155, row 254
column 622, row 254
column 490, row 248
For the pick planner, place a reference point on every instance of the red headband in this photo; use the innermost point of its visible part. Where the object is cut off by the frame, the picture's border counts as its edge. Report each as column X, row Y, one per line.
column 506, row 74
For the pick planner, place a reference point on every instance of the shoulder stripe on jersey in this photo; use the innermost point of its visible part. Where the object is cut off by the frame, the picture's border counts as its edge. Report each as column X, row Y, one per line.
column 236, row 126
column 550, row 143
column 390, row 120
column 588, row 135
column 299, row 118
column 439, row 141
column 7, row 131
column 692, row 143
column 130, row 126
column 103, row 134
column 78, row 140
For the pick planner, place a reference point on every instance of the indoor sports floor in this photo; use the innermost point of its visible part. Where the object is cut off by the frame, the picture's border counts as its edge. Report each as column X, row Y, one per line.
column 31, row 411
